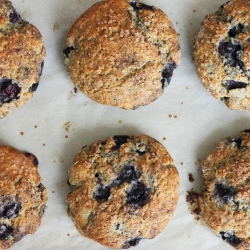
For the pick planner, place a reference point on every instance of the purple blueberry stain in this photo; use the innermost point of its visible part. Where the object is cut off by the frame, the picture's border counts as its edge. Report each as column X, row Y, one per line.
column 14, row 17
column 9, row 90
column 224, row 193
column 138, row 194
column 231, row 84
column 5, row 231
column 230, row 238
column 10, row 210
column 120, row 140
column 131, row 243
column 167, row 73
column 127, row 174
column 67, row 51
column 101, row 193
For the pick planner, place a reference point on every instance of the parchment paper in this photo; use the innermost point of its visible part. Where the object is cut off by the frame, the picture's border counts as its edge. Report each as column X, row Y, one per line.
column 57, row 122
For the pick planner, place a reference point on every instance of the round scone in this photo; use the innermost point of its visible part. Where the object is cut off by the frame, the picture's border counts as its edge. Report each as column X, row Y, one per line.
column 22, row 196
column 222, row 54
column 122, row 53
column 124, row 189
column 225, row 203
column 22, row 54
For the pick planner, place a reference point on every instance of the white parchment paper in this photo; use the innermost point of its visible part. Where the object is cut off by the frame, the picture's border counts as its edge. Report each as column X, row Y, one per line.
column 57, row 122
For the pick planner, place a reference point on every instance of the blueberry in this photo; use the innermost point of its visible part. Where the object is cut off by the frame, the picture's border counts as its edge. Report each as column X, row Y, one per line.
column 167, row 73
column 141, row 152
column 41, row 69
column 127, row 174
column 224, row 193
column 117, row 226
column 32, row 158
column 247, row 131
column 119, row 140
column 138, row 194
column 34, row 87
column 225, row 99
column 68, row 50
column 231, row 84
column 5, row 231
column 236, row 30
column 102, row 193
column 8, row 90
column 131, row 243
column 237, row 141
column 230, row 238
column 139, row 6
column 14, row 17
column 10, row 210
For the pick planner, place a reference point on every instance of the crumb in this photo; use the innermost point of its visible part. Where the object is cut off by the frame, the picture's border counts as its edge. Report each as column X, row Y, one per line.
column 67, row 125
column 120, row 121
column 170, row 116
column 181, row 103
column 66, row 136
column 21, row 133
column 191, row 23
column 53, row 192
column 199, row 160
column 44, row 144
column 192, row 199
column 177, row 23
column 56, row 26
column 195, row 163
column 35, row 126
column 181, row 163
column 68, row 234
column 187, row 87
column 54, row 161
column 194, row 10
column 190, row 177
column 175, row 116
column 164, row 138
column 75, row 90
column 178, row 34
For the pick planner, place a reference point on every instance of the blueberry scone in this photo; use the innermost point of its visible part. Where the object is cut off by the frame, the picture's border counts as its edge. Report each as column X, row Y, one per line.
column 22, row 196
column 222, row 54
column 124, row 189
column 122, row 53
column 22, row 54
column 225, row 201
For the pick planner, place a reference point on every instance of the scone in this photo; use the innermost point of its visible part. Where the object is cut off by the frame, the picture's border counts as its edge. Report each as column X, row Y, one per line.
column 222, row 54
column 225, row 203
column 122, row 53
column 22, row 196
column 124, row 189
column 22, row 54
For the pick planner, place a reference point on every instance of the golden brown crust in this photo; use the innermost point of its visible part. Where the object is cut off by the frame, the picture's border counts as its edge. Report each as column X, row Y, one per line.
column 21, row 187
column 119, row 53
column 22, row 52
column 213, row 67
column 115, row 222
column 225, row 201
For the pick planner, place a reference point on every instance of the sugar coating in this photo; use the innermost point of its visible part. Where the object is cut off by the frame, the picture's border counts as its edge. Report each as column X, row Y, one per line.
column 124, row 189
column 116, row 53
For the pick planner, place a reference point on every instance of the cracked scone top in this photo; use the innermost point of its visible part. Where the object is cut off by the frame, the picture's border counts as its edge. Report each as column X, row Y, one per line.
column 124, row 189
column 22, row 54
column 222, row 54
column 122, row 53
column 22, row 196
column 225, row 202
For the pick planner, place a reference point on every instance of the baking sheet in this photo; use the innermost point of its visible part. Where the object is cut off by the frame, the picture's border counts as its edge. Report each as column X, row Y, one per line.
column 57, row 122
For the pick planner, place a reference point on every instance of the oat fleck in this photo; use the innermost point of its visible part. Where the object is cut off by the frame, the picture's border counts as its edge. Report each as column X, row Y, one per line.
column 56, row 26
column 67, row 125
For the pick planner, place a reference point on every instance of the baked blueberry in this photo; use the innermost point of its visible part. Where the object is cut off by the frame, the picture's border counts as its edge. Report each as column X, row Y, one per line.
column 139, row 6
column 236, row 30
column 127, row 174
column 132, row 242
column 237, row 141
column 14, row 17
column 138, row 194
column 5, row 231
column 224, row 193
column 67, row 51
column 167, row 73
column 101, row 193
column 32, row 157
column 10, row 210
column 119, row 140
column 9, row 90
column 231, row 238
column 231, row 84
